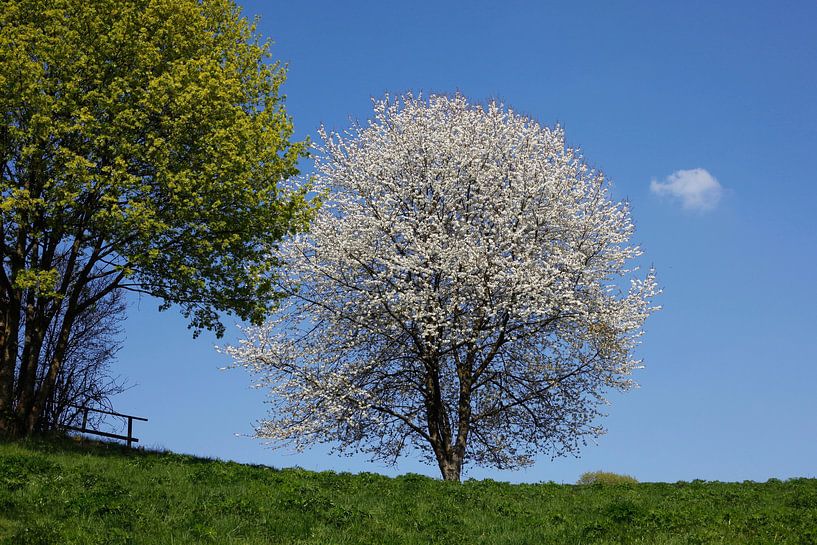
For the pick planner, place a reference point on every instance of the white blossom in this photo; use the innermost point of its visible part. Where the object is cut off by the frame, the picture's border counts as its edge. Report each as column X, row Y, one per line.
column 462, row 291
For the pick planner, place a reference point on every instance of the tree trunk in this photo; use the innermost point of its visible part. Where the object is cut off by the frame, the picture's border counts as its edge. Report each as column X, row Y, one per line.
column 439, row 427
column 8, row 361
column 32, row 345
column 448, row 448
column 450, row 467
column 50, row 379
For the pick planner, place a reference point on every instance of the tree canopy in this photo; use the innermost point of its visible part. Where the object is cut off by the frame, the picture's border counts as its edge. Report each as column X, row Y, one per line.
column 143, row 146
column 467, row 289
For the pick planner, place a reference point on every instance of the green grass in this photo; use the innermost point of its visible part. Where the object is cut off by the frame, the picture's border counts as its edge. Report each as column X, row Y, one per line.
column 58, row 492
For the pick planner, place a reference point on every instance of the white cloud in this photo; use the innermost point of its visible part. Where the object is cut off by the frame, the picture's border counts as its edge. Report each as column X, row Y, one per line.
column 697, row 189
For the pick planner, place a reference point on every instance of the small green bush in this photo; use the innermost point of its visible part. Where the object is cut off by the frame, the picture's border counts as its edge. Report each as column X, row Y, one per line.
column 605, row 478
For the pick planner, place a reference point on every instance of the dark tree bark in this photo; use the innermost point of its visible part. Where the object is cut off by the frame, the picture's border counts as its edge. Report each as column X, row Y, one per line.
column 8, row 356
column 448, row 442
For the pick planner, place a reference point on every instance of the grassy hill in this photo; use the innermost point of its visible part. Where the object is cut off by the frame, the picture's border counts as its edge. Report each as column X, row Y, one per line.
column 55, row 492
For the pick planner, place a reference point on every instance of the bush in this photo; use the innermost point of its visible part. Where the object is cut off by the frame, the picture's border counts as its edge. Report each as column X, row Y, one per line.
column 605, row 478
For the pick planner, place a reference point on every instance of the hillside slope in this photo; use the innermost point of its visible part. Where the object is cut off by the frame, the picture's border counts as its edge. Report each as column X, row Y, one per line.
column 56, row 492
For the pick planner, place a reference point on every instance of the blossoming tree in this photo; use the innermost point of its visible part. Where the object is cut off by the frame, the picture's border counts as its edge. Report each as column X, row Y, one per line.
column 460, row 292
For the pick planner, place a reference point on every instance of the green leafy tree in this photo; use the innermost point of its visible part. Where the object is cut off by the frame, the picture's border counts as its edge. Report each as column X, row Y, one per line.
column 145, row 147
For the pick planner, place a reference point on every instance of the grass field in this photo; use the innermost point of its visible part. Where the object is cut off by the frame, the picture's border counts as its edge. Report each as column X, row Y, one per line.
column 55, row 492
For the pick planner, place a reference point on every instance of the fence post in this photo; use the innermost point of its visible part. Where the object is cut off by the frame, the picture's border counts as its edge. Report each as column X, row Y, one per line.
column 129, row 438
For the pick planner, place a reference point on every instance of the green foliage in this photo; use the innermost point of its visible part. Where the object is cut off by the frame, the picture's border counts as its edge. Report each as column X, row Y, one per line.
column 151, row 134
column 605, row 478
column 60, row 492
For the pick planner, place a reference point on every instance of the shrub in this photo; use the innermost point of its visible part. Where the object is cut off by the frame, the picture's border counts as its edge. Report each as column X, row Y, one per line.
column 605, row 478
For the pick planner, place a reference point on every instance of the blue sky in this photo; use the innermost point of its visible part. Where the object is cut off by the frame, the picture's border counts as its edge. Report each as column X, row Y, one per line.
column 646, row 90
